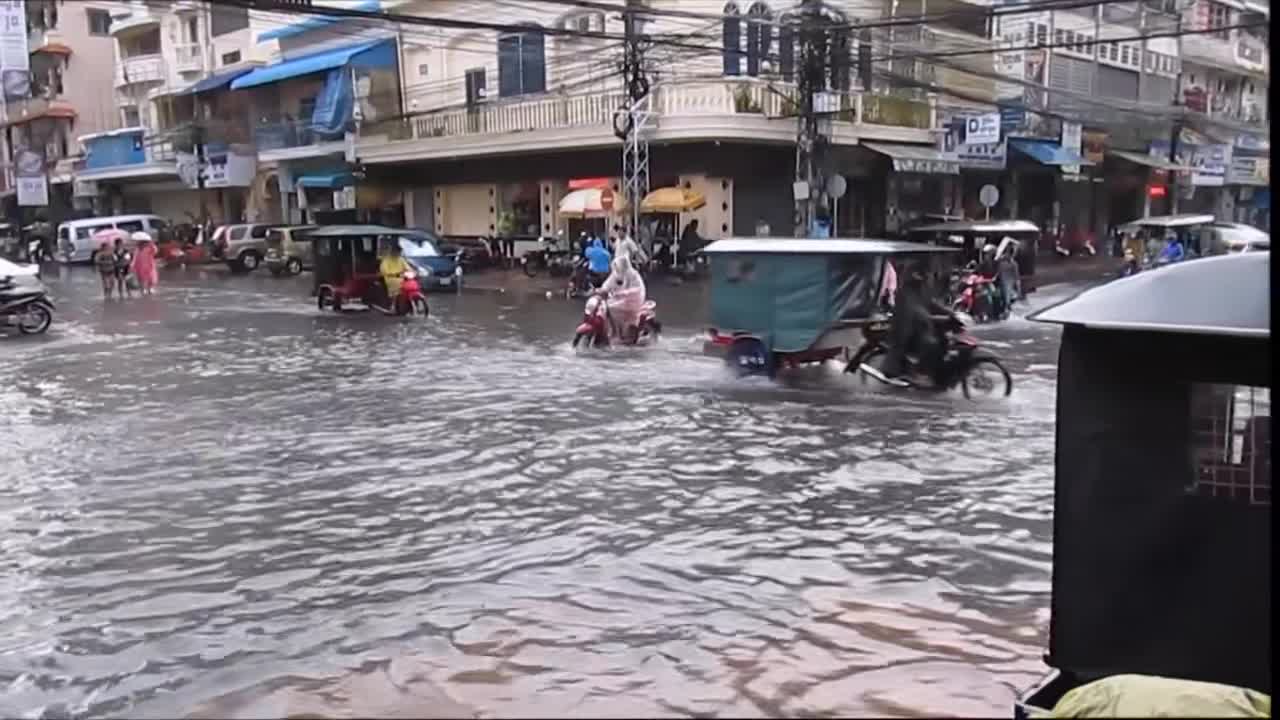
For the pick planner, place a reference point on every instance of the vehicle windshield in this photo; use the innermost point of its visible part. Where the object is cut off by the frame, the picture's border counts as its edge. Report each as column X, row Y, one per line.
column 418, row 247
column 275, row 239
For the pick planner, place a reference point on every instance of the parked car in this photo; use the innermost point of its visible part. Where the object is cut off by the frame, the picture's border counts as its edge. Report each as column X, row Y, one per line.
column 75, row 237
column 475, row 251
column 242, row 247
column 289, row 250
column 436, row 260
column 1230, row 237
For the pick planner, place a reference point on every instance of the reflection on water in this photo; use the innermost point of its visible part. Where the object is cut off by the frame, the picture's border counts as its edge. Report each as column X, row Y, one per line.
column 223, row 504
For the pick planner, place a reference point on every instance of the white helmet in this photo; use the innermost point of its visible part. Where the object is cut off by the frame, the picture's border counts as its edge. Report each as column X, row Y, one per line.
column 140, row 236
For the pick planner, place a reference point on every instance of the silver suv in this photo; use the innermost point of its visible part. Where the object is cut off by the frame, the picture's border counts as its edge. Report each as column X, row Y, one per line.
column 242, row 247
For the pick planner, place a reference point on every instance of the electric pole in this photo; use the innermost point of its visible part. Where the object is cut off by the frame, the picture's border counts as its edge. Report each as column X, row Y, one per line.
column 630, row 122
column 810, row 81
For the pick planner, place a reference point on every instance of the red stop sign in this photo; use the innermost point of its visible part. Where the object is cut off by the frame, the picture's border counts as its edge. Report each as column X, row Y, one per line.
column 606, row 199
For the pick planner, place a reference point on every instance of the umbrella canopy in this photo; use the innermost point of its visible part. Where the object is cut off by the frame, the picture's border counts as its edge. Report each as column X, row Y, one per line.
column 672, row 200
column 109, row 236
column 585, row 203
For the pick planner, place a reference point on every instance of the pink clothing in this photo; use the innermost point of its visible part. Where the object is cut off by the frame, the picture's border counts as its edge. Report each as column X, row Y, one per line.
column 144, row 265
column 889, row 288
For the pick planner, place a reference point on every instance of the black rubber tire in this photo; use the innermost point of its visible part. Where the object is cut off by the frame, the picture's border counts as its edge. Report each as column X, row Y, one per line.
column 45, row 320
column 248, row 261
column 871, row 355
column 418, row 307
column 992, row 362
column 293, row 266
column 579, row 337
column 324, row 298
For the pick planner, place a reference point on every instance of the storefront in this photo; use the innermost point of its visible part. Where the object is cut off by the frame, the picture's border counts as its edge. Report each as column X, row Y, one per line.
column 1053, row 188
column 1248, row 181
column 921, row 181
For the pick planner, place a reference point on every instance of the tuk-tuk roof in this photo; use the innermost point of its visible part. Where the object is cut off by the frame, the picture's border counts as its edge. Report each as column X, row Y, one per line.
column 1170, row 221
column 324, row 231
column 980, row 227
column 812, row 246
column 1227, row 295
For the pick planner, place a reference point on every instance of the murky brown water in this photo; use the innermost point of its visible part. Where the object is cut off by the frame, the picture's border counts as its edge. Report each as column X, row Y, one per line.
column 219, row 503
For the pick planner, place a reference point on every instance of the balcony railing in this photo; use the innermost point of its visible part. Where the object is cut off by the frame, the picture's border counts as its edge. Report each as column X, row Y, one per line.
column 188, row 57
column 597, row 109
column 283, row 135
column 140, row 69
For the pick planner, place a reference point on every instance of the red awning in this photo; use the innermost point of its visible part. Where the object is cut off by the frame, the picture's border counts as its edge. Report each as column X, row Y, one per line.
column 590, row 183
column 55, row 111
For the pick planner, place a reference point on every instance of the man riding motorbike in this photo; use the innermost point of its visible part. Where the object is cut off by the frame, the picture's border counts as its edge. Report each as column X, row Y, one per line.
column 912, row 328
column 392, row 268
column 626, row 293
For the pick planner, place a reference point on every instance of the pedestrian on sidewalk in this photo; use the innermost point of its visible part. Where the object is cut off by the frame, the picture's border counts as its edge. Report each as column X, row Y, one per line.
column 144, row 263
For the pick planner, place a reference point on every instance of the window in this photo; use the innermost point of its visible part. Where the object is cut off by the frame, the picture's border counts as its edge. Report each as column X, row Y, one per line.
column 1231, row 443
column 1124, row 54
column 258, row 232
column 130, row 116
column 231, row 58
column 424, row 69
column 1115, row 52
column 731, row 35
column 786, row 51
column 759, row 37
column 99, row 21
column 131, row 226
column 1069, row 38
column 1218, row 16
column 1059, row 37
column 522, row 67
column 226, row 19
column 1042, row 34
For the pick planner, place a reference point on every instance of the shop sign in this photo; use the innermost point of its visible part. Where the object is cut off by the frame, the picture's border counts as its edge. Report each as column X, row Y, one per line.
column 982, row 129
column 1249, row 171
column 1256, row 143
column 913, row 165
column 1071, row 140
column 1094, row 146
column 345, row 198
column 229, row 170
column 985, row 156
column 1250, row 53
column 1210, row 165
column 84, row 188
column 31, row 180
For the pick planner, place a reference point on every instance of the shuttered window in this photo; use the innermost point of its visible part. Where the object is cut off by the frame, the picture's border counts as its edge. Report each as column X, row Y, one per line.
column 522, row 65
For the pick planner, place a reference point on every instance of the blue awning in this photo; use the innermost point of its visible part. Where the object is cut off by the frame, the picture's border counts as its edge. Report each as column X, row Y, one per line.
column 332, row 181
column 318, row 21
column 1047, row 152
column 216, row 81
column 304, row 65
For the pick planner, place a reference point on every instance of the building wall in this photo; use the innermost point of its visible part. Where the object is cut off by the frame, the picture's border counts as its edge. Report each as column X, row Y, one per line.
column 88, row 77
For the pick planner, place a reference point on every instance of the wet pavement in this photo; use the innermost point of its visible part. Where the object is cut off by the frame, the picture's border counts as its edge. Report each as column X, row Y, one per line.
column 219, row 501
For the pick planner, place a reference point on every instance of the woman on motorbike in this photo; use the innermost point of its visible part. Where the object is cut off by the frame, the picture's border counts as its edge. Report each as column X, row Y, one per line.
column 626, row 295
column 392, row 268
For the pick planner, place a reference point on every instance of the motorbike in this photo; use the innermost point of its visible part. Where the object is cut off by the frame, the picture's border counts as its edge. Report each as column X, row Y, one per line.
column 979, row 297
column 410, row 300
column 549, row 256
column 964, row 362
column 26, row 306
column 1131, row 265
column 598, row 328
column 582, row 282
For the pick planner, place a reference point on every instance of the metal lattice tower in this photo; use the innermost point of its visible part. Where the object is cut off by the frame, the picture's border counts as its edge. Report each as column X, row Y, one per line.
column 635, row 157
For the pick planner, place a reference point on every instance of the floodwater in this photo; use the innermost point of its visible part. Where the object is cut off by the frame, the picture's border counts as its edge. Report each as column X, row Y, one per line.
column 219, row 502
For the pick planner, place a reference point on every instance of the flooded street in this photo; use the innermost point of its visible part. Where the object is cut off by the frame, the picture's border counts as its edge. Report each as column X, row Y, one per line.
column 219, row 501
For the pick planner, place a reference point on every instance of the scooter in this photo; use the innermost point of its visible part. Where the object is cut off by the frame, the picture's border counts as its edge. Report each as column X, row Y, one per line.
column 980, row 298
column 410, row 300
column 26, row 306
column 964, row 362
column 598, row 328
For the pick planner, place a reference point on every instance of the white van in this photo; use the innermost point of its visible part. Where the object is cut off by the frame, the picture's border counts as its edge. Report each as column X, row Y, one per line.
column 75, row 237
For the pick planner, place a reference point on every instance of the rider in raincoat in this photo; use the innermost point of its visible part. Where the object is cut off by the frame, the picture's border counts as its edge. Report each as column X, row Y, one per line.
column 626, row 294
column 598, row 257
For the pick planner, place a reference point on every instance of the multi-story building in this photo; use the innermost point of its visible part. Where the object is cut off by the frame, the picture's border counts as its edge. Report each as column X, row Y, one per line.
column 171, row 59
column 70, row 80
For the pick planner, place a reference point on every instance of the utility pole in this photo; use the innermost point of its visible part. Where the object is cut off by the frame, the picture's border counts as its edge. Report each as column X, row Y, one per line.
column 630, row 122
column 1175, row 137
column 810, row 81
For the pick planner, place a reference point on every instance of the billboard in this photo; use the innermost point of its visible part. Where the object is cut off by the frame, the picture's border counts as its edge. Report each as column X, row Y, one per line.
column 15, row 61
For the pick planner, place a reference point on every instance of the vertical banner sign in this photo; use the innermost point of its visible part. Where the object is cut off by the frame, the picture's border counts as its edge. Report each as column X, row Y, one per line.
column 32, row 181
column 15, row 62
column 1072, row 137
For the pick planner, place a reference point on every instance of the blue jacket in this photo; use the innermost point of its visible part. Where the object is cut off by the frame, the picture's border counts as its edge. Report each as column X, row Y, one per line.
column 598, row 258
column 1173, row 251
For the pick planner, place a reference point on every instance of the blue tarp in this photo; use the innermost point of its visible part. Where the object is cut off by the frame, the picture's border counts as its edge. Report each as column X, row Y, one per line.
column 308, row 64
column 332, row 181
column 333, row 104
column 1047, row 152
column 316, row 22
column 217, row 81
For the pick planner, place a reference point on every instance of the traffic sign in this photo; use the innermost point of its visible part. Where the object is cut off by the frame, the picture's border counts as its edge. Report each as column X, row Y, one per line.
column 837, row 186
column 989, row 195
column 606, row 199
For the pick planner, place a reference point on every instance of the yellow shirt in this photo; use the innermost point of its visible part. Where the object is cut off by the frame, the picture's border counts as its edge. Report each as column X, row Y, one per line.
column 391, row 268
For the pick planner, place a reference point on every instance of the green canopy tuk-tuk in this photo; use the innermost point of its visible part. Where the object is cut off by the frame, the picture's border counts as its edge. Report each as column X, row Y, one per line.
column 1162, row 491
column 780, row 302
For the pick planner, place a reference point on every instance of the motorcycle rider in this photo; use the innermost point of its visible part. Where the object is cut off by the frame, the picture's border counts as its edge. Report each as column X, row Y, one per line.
column 598, row 259
column 626, row 295
column 1007, row 271
column 1173, row 251
column 912, row 328
column 392, row 268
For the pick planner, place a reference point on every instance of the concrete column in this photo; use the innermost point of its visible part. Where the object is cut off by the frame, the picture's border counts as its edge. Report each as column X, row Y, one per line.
column 439, row 194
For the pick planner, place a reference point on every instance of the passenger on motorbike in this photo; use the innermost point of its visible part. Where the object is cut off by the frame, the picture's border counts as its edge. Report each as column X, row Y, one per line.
column 1007, row 270
column 912, row 328
column 626, row 295
column 598, row 259
column 1173, row 251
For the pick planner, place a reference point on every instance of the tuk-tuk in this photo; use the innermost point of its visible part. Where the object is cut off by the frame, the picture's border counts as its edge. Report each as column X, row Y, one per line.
column 783, row 302
column 969, row 236
column 1144, row 237
column 346, row 271
column 1162, row 487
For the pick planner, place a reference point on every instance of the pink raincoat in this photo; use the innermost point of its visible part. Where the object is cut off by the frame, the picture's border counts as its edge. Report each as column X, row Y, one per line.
column 626, row 292
column 144, row 265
